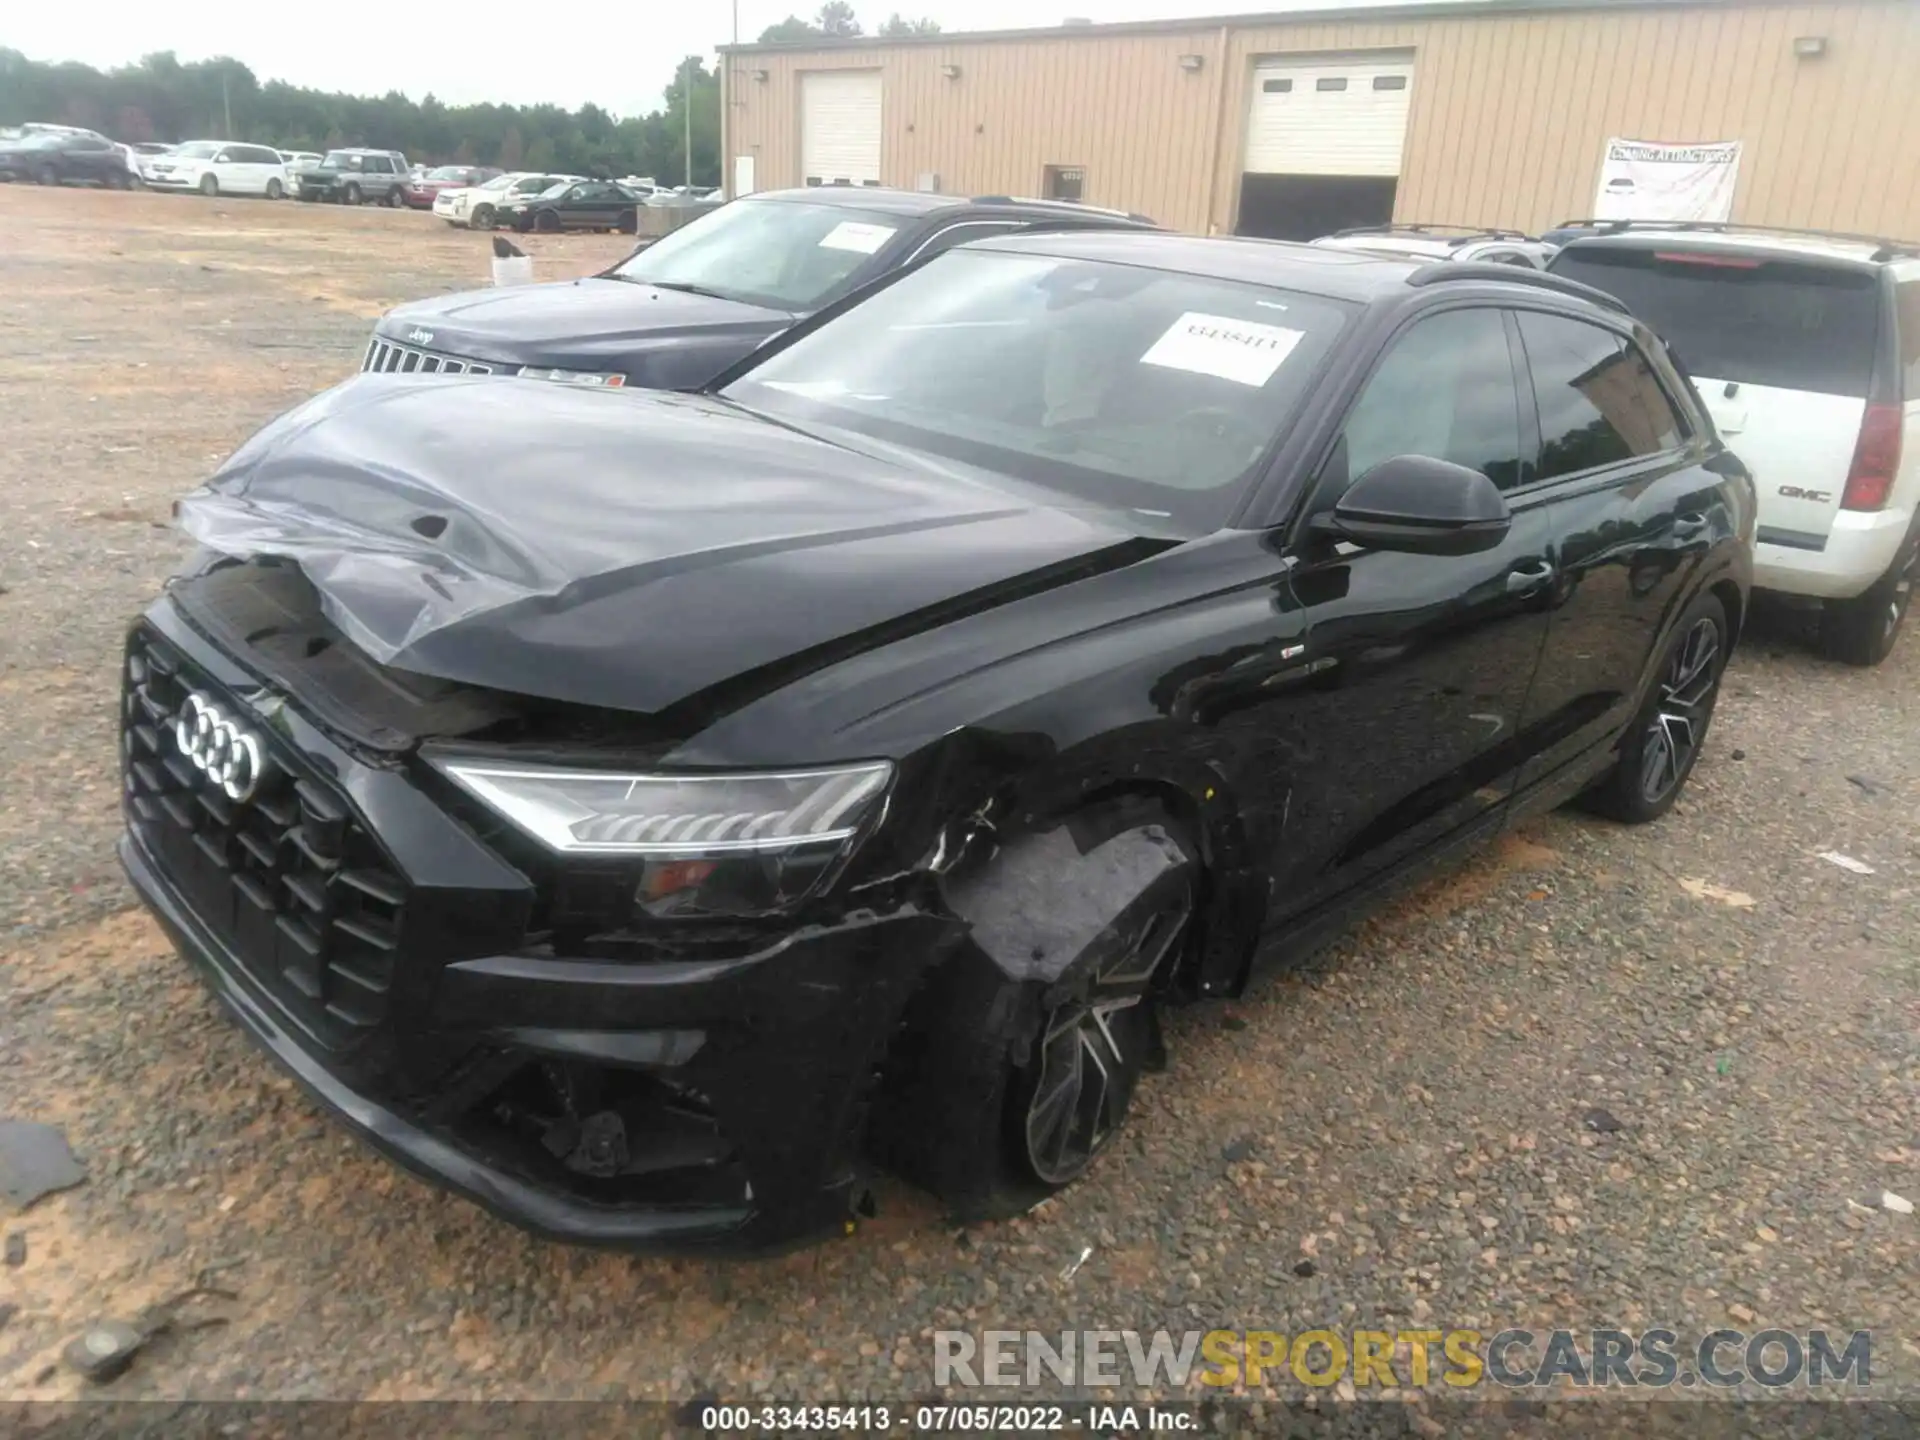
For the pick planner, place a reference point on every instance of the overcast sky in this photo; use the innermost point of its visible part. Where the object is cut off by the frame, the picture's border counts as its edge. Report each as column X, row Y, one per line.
column 619, row 56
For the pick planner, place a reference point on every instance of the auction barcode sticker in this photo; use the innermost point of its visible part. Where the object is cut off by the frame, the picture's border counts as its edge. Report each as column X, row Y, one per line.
column 1239, row 350
column 852, row 235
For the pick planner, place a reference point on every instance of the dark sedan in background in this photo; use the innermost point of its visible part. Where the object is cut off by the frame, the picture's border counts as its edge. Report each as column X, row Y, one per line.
column 637, row 811
column 679, row 311
column 575, row 205
column 58, row 158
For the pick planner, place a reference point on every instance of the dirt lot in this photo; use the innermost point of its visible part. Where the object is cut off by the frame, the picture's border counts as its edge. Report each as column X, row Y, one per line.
column 1411, row 1116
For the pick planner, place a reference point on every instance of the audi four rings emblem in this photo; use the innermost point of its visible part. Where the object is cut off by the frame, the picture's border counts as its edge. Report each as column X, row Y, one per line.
column 229, row 756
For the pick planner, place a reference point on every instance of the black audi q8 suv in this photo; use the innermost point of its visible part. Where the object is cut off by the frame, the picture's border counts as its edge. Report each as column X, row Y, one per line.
column 642, row 812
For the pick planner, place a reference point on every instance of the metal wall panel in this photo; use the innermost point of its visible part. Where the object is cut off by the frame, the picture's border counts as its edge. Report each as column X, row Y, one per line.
column 1508, row 116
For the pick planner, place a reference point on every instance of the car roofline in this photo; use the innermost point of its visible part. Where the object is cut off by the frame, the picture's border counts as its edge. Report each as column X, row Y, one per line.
column 1882, row 248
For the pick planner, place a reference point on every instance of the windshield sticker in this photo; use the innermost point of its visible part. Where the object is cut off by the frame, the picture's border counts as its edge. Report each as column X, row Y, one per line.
column 1242, row 351
column 853, row 235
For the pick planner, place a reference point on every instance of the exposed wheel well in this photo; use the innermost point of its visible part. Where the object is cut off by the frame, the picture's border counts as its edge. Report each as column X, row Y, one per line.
column 1728, row 594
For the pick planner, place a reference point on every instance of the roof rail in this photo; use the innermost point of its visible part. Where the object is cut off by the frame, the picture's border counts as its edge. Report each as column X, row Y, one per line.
column 1463, row 234
column 1060, row 204
column 1885, row 248
column 1444, row 270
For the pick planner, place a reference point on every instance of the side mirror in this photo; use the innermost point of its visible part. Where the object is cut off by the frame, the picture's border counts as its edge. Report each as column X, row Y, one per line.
column 1421, row 506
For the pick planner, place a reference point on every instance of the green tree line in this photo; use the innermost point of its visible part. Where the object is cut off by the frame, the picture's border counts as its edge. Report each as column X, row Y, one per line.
column 835, row 20
column 162, row 98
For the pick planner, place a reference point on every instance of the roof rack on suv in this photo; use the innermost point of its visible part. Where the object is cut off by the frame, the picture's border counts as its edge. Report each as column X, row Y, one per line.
column 1460, row 234
column 1442, row 270
column 1062, row 205
column 1885, row 248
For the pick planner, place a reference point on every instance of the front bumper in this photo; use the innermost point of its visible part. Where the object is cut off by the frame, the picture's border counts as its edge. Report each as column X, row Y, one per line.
column 764, row 1053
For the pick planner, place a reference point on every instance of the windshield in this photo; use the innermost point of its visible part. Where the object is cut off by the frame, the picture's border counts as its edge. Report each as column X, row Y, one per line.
column 1737, row 317
column 1128, row 387
column 448, row 172
column 499, row 182
column 197, row 150
column 340, row 159
column 791, row 256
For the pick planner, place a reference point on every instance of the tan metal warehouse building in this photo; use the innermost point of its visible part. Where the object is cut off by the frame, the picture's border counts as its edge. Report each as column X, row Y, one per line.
column 1493, row 113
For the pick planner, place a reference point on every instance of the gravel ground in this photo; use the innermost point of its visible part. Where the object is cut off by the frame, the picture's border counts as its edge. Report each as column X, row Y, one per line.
column 1407, row 1114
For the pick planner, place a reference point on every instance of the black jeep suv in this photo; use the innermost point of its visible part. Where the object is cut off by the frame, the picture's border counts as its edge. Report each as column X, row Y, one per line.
column 680, row 310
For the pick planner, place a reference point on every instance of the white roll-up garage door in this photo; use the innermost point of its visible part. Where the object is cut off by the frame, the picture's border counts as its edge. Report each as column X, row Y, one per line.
column 840, row 127
column 1325, row 115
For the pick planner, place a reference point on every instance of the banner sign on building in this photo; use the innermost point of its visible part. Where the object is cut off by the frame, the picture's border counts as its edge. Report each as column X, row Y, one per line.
column 1640, row 180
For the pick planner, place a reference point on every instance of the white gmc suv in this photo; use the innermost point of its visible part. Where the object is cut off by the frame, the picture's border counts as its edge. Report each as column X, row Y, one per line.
column 1805, row 349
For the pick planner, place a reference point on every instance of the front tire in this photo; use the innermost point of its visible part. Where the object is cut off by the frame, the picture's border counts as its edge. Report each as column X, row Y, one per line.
column 1006, row 1090
column 546, row 222
column 628, row 222
column 275, row 190
column 48, row 175
column 395, row 199
column 351, row 195
column 209, row 185
column 482, row 218
column 1862, row 631
column 1666, row 737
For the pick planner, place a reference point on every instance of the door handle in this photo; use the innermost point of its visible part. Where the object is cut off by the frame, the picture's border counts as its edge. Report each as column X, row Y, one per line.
column 1688, row 525
column 1525, row 578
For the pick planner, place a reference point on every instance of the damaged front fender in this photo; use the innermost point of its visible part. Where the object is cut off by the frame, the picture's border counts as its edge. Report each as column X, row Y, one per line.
column 1072, row 931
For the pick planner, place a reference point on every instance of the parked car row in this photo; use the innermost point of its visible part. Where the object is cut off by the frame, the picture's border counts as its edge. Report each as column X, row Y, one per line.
column 642, row 812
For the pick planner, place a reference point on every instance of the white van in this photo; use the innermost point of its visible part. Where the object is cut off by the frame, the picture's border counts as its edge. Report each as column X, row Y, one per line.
column 218, row 167
column 1805, row 349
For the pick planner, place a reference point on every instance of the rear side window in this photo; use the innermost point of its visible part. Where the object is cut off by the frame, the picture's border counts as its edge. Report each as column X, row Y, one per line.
column 1598, row 399
column 1909, row 322
column 1779, row 323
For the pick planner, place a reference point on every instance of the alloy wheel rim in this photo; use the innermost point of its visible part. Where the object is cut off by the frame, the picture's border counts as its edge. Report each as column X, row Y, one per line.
column 1680, row 717
column 1080, row 1098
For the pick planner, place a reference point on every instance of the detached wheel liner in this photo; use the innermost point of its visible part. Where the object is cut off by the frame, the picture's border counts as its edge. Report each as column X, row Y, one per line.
column 1016, row 1061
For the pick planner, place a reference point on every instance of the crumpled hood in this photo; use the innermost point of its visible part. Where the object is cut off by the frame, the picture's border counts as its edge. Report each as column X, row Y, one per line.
column 619, row 549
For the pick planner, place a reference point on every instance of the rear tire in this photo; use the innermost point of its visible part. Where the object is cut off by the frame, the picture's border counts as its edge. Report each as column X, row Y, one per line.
column 209, row 185
column 48, row 175
column 1666, row 737
column 482, row 217
column 351, row 195
column 275, row 190
column 628, row 223
column 1862, row 631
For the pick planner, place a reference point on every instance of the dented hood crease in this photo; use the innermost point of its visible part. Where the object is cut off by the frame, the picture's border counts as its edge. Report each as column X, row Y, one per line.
column 617, row 549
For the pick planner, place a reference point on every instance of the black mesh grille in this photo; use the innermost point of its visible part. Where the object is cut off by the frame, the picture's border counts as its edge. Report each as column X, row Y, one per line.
column 289, row 878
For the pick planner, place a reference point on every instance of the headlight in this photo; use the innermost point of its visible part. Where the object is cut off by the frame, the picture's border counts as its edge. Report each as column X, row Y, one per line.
column 714, row 845
column 601, row 379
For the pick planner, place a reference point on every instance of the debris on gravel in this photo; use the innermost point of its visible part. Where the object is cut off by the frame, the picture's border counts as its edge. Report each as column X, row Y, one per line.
column 35, row 1162
column 105, row 1349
